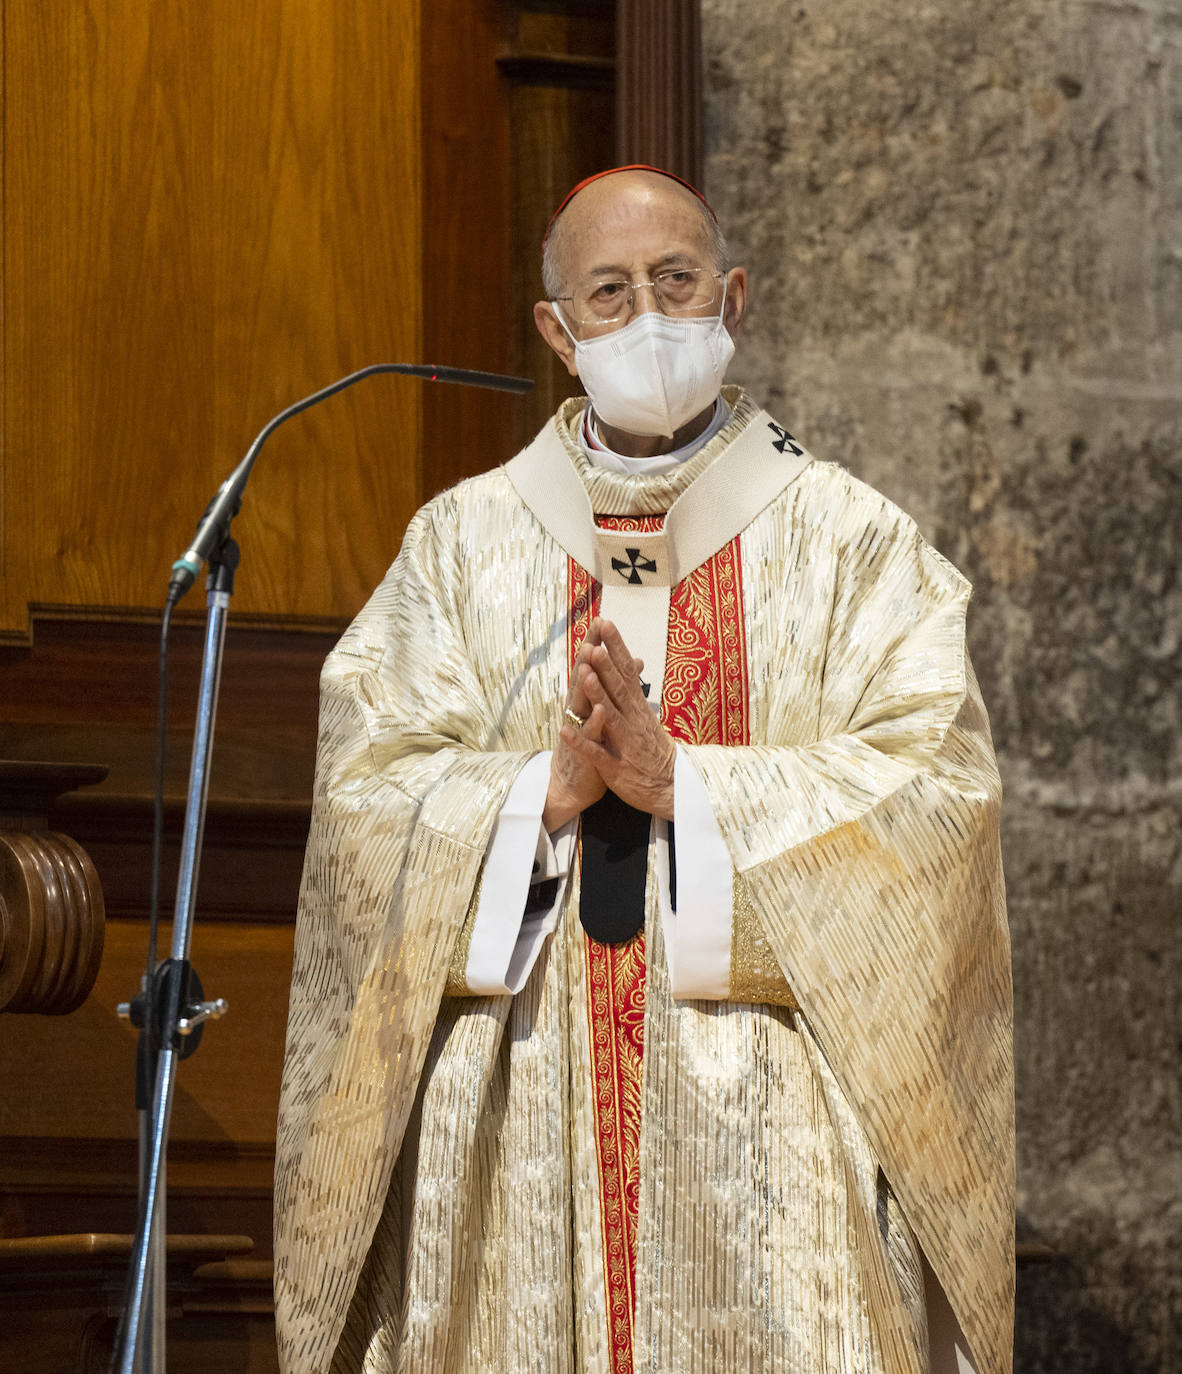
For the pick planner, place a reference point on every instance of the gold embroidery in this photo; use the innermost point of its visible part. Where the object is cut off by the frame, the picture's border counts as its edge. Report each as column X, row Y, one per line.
column 756, row 975
column 615, row 1011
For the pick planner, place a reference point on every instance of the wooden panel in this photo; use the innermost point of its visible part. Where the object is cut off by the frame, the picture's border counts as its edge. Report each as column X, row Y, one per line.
column 559, row 58
column 85, row 691
column 67, row 1120
column 210, row 210
column 68, row 1125
column 59, row 1297
column 50, row 1187
column 503, row 141
column 72, row 1077
column 467, row 307
column 55, row 1336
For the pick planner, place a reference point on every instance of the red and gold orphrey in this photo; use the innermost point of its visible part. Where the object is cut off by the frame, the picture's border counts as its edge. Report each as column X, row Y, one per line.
column 703, row 701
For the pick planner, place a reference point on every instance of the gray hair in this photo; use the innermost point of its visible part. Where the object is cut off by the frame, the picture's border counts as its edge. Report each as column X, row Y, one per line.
column 554, row 282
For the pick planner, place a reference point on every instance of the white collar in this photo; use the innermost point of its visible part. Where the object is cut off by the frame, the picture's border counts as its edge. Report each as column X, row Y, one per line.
column 599, row 453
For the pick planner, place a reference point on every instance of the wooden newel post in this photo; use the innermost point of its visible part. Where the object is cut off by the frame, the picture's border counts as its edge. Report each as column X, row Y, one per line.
column 52, row 919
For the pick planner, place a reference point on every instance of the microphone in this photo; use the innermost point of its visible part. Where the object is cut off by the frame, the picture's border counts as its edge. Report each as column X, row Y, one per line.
column 214, row 525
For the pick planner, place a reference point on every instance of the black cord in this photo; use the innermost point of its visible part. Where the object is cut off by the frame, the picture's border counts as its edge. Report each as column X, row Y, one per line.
column 158, row 813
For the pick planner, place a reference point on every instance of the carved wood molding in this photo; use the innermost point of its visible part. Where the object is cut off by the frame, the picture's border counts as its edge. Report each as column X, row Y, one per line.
column 558, row 69
column 659, row 85
column 52, row 924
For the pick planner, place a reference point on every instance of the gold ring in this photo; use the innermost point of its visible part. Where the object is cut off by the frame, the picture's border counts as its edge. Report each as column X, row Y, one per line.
column 574, row 718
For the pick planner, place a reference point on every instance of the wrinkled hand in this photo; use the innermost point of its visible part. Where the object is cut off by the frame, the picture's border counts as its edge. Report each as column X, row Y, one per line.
column 574, row 782
column 623, row 741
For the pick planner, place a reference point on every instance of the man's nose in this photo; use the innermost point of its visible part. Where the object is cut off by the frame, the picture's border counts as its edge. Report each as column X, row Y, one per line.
column 644, row 299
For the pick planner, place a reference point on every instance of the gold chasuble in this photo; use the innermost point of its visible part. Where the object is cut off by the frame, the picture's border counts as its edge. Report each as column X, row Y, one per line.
column 601, row 1175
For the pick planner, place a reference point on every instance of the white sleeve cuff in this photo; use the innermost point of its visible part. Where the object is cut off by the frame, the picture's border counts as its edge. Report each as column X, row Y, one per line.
column 504, row 945
column 698, row 934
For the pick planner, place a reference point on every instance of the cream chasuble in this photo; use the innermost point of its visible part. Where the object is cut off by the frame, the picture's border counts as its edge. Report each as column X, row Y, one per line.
column 441, row 1199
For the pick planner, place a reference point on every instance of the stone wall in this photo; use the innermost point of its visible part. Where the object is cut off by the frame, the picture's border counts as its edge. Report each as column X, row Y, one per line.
column 964, row 225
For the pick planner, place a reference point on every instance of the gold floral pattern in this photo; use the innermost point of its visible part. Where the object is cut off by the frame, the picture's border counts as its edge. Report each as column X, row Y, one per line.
column 615, row 1010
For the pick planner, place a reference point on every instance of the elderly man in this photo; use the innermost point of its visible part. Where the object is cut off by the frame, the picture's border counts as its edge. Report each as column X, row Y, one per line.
column 651, row 1006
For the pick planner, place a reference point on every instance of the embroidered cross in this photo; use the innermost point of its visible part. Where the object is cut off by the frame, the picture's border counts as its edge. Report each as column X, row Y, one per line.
column 785, row 441
column 635, row 565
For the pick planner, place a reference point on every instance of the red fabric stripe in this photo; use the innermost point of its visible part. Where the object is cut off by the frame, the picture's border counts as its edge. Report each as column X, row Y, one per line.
column 703, row 701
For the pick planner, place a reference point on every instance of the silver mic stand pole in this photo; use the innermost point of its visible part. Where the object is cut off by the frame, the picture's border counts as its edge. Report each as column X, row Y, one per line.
column 174, row 1004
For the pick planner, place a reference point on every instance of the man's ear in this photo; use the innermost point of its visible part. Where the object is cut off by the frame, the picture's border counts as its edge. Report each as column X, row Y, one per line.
column 736, row 300
column 554, row 334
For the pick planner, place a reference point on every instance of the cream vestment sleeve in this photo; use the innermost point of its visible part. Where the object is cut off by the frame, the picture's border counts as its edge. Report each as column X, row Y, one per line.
column 504, row 933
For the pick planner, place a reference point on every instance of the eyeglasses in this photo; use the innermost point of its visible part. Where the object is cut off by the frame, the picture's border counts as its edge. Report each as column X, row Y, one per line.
column 678, row 291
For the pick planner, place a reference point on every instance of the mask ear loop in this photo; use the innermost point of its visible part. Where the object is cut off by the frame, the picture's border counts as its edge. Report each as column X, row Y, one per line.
column 589, row 415
column 726, row 281
column 720, row 335
column 562, row 321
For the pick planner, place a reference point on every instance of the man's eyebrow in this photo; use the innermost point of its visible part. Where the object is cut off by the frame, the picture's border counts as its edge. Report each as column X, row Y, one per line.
column 668, row 260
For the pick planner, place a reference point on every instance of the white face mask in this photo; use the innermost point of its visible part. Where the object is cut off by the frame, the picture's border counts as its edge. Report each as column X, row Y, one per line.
column 656, row 373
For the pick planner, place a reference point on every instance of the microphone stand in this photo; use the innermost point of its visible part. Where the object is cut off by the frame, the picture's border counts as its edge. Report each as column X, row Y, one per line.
column 161, row 1004
column 170, row 1010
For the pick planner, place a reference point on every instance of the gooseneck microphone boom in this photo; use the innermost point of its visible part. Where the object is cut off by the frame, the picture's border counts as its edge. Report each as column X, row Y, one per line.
column 213, row 525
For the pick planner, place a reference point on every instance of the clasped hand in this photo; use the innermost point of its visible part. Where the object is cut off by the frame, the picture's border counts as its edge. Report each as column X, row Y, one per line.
column 622, row 745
